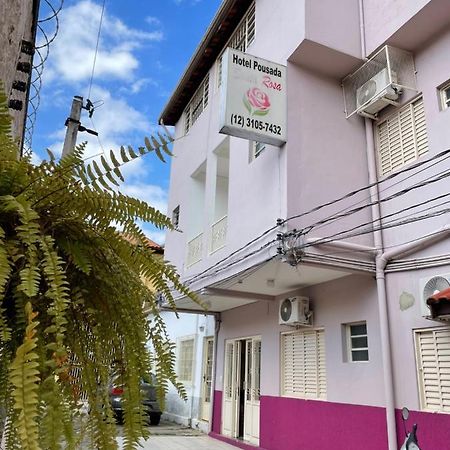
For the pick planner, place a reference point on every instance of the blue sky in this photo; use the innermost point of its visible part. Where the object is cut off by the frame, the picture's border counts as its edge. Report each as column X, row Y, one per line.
column 144, row 48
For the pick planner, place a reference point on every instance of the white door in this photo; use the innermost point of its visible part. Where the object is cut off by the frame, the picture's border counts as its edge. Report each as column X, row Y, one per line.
column 252, row 390
column 230, row 416
column 208, row 355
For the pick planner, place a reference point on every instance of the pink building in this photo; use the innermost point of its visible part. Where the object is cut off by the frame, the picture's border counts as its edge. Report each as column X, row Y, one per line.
column 317, row 257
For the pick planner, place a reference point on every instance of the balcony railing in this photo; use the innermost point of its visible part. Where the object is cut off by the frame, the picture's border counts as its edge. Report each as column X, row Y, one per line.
column 194, row 250
column 219, row 234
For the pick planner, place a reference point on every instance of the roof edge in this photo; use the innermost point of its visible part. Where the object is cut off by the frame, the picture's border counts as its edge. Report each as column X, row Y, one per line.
column 214, row 39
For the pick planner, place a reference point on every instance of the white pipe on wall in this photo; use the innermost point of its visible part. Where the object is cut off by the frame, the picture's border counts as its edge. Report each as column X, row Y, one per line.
column 388, row 376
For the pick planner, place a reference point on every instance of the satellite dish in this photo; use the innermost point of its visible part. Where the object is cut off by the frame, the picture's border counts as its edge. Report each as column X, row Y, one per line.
column 286, row 310
column 367, row 92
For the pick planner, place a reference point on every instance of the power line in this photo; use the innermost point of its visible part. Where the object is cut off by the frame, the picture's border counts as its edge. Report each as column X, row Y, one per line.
column 96, row 48
column 445, row 153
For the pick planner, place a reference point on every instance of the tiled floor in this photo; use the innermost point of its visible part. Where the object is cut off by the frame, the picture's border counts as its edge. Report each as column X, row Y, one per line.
column 170, row 436
column 184, row 443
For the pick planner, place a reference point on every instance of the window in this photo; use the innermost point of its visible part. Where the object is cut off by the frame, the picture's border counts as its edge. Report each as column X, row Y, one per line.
column 197, row 104
column 432, row 357
column 357, row 342
column 242, row 37
column 186, row 360
column 303, row 371
column 445, row 95
column 402, row 138
column 256, row 148
column 176, row 216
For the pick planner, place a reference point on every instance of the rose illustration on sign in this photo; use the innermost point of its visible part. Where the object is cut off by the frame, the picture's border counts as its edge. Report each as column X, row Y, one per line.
column 257, row 102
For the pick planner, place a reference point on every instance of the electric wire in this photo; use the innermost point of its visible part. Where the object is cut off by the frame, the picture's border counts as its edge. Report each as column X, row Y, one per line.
column 386, row 189
column 436, row 157
column 96, row 48
column 430, row 180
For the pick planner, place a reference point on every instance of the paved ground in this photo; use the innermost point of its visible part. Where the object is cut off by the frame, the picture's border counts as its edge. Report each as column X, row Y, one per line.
column 168, row 436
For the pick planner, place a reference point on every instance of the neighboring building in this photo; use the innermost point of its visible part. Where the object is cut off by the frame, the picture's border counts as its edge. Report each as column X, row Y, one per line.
column 262, row 224
column 17, row 34
column 193, row 335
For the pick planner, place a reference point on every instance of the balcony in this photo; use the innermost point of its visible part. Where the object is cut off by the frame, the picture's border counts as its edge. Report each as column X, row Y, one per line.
column 218, row 234
column 194, row 250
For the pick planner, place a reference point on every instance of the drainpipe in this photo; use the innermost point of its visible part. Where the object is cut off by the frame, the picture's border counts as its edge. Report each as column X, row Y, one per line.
column 217, row 322
column 194, row 385
column 380, row 266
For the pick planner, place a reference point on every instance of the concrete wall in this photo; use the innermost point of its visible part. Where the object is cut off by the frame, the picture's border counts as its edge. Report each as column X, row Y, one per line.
column 16, row 24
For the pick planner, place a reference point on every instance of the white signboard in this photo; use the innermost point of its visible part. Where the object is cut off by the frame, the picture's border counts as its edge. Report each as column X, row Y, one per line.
column 253, row 98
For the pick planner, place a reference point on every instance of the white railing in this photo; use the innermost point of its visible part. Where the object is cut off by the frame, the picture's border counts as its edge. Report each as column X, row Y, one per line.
column 194, row 250
column 219, row 234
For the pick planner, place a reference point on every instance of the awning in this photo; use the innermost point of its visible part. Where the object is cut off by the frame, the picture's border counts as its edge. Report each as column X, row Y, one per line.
column 439, row 304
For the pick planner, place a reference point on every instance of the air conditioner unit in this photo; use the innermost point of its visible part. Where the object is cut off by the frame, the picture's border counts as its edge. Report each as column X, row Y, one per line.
column 430, row 286
column 296, row 311
column 377, row 93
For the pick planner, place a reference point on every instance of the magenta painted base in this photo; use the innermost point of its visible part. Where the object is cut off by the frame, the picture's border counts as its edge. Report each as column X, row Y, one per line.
column 433, row 429
column 295, row 424
column 235, row 442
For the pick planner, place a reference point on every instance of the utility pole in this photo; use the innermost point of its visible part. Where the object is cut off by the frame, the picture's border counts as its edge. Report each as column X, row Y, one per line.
column 73, row 124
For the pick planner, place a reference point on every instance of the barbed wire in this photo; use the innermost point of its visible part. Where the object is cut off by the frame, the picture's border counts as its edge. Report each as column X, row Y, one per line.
column 42, row 51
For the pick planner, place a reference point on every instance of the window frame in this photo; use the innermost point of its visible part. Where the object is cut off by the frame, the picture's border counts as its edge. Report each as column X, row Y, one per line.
column 181, row 376
column 251, row 11
column 444, row 100
column 420, row 137
column 348, row 342
column 254, row 152
column 321, row 394
column 197, row 104
column 176, row 216
column 419, row 370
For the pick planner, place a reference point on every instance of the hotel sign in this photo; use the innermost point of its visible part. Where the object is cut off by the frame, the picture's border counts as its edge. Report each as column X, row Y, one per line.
column 253, row 98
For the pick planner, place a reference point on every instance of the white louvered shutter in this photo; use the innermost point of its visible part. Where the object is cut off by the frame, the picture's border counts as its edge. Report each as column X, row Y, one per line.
column 303, row 364
column 402, row 138
column 433, row 361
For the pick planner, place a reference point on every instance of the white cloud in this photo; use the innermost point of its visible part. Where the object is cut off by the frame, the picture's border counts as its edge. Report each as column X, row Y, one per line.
column 72, row 53
column 153, row 21
column 154, row 195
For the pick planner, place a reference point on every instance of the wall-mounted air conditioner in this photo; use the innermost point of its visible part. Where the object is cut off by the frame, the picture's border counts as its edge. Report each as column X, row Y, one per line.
column 378, row 82
column 295, row 311
column 377, row 93
column 430, row 286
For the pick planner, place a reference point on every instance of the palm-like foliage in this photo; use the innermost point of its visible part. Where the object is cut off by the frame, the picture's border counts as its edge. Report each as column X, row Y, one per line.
column 72, row 298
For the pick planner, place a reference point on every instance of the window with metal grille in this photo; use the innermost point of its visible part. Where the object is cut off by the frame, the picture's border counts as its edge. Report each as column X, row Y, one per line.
column 176, row 216
column 197, row 104
column 402, row 137
column 433, row 366
column 256, row 148
column 357, row 342
column 186, row 360
column 303, row 369
column 242, row 37
column 445, row 95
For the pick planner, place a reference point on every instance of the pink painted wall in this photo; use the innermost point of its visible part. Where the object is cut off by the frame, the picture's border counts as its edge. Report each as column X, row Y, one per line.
column 384, row 17
column 325, row 153
column 334, row 304
column 292, row 424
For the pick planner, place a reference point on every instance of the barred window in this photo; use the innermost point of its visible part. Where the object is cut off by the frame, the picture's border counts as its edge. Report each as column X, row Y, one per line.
column 242, row 37
column 197, row 104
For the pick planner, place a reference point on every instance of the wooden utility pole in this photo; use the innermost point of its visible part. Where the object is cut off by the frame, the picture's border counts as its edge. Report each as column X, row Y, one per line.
column 73, row 124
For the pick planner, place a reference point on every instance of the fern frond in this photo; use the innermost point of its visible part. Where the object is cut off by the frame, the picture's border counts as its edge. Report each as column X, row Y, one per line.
column 24, row 379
